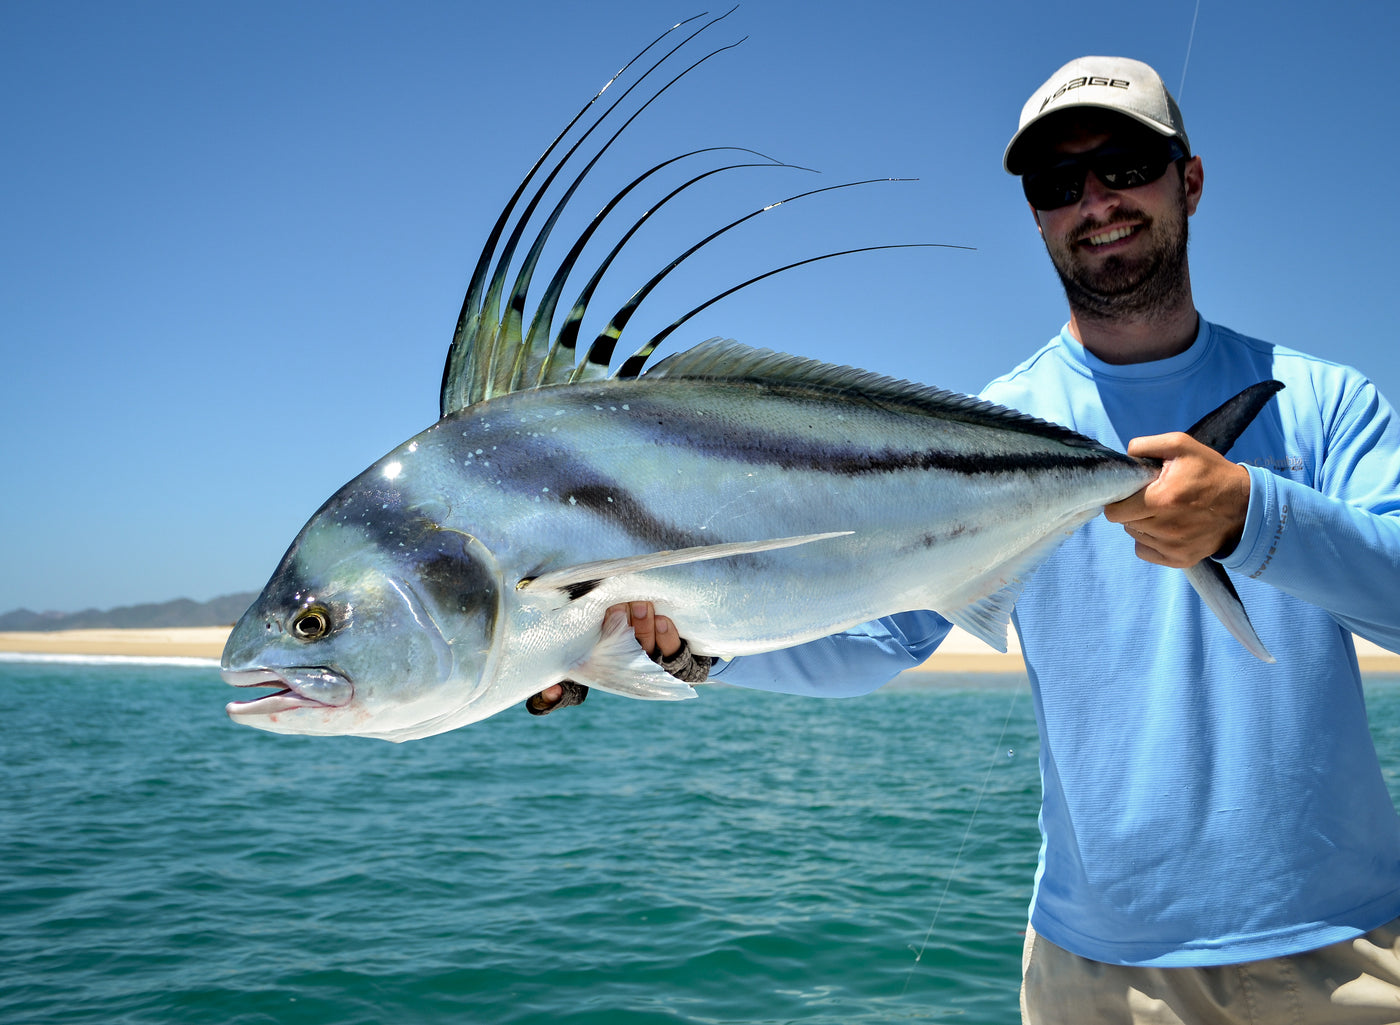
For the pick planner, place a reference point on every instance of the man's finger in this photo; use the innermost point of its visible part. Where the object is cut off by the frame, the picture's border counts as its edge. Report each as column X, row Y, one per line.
column 1147, row 553
column 1134, row 507
column 546, row 700
column 1161, row 446
column 668, row 641
column 643, row 618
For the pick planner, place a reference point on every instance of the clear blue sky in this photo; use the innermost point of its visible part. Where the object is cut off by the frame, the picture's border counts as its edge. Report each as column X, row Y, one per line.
column 235, row 236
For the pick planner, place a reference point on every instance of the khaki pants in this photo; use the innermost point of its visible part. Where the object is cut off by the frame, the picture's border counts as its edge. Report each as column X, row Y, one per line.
column 1356, row 982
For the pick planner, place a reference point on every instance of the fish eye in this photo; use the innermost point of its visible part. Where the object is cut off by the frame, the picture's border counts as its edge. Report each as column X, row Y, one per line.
column 311, row 624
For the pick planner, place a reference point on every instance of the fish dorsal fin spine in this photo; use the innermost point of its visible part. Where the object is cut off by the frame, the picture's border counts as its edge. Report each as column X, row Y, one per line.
column 503, row 341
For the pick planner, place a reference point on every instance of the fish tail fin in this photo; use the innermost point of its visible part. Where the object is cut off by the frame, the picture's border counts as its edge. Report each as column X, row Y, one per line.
column 1220, row 429
column 1213, row 585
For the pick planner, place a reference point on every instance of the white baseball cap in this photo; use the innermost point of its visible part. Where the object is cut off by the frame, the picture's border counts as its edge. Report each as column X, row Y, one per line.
column 1119, row 84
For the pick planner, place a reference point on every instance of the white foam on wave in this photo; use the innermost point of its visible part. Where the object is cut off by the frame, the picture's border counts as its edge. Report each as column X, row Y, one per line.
column 189, row 661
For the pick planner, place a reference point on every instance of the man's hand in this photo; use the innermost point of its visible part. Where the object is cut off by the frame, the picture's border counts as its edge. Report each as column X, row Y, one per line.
column 656, row 635
column 1193, row 510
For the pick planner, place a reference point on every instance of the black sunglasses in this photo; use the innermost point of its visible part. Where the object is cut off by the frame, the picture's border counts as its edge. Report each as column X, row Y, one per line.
column 1117, row 167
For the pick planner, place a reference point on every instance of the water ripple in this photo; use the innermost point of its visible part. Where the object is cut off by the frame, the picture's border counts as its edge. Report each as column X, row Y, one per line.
column 742, row 858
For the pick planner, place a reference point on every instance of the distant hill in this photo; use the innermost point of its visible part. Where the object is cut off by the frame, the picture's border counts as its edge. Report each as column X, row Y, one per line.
column 223, row 611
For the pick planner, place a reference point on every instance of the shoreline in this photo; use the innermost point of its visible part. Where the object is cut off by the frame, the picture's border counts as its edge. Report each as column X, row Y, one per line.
column 960, row 653
column 183, row 642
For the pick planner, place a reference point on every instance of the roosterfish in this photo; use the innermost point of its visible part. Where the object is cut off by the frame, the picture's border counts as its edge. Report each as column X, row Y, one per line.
column 758, row 499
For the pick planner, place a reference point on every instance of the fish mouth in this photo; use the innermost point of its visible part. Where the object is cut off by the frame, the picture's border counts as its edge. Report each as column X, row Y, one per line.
column 299, row 687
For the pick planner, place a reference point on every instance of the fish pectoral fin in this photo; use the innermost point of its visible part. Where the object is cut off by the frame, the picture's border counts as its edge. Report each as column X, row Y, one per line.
column 576, row 581
column 617, row 665
column 1214, row 586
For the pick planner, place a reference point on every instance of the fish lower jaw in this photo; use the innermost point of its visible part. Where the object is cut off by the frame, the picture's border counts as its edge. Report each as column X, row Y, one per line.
column 284, row 699
column 269, row 704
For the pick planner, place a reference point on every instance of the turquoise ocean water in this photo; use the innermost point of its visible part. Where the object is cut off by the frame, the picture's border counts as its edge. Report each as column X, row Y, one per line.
column 741, row 858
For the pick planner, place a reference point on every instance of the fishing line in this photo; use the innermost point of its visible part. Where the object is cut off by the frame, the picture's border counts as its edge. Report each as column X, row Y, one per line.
column 1189, row 40
column 996, row 750
column 957, row 858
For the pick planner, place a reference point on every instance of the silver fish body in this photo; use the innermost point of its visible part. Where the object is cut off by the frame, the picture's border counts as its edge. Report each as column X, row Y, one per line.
column 471, row 567
column 757, row 499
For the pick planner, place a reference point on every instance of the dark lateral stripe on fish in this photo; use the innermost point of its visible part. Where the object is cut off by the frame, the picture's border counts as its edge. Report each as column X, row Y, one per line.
column 854, row 464
column 931, row 538
column 796, row 454
column 456, row 579
column 1047, row 446
column 512, row 468
column 613, row 502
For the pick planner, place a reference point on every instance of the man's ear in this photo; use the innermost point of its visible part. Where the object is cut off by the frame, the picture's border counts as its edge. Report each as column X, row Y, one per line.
column 1193, row 183
column 1036, row 214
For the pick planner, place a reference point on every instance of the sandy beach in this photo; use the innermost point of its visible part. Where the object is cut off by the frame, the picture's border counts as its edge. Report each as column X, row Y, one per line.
column 196, row 642
column 960, row 653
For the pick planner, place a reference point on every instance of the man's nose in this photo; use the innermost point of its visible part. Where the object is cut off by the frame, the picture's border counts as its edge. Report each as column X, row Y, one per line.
column 1097, row 195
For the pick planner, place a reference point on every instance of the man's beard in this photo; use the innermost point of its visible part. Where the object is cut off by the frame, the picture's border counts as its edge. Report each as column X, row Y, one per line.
column 1119, row 287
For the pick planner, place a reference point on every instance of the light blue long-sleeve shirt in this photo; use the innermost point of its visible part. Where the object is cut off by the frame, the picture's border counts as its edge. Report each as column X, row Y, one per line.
column 1199, row 806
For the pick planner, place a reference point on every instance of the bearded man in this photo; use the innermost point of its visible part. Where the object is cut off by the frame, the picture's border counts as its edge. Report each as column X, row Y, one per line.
column 1218, row 842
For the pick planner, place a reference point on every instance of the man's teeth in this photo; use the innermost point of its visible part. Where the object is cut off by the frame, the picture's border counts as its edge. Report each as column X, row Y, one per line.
column 1112, row 235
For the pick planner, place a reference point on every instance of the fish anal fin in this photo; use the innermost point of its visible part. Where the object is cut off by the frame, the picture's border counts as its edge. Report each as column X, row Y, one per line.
column 617, row 665
column 988, row 618
column 984, row 608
